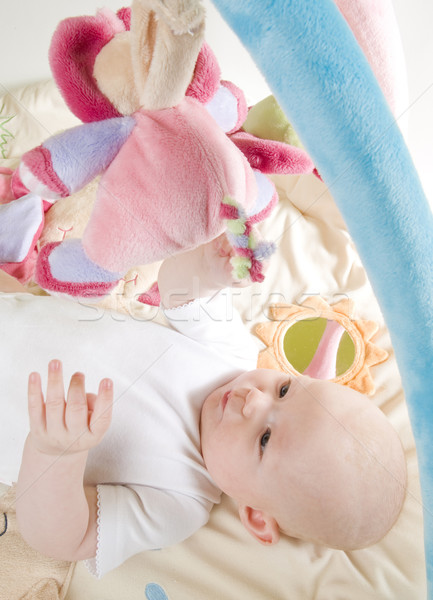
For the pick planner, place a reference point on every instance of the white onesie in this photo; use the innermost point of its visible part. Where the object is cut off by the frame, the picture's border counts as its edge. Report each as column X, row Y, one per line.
column 153, row 488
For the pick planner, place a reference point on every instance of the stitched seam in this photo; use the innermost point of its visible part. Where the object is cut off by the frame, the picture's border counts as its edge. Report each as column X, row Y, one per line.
column 7, row 134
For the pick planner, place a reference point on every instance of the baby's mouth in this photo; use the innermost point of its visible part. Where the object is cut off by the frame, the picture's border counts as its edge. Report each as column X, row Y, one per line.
column 225, row 400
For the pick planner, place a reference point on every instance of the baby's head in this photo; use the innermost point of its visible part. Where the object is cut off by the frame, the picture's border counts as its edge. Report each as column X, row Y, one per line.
column 313, row 459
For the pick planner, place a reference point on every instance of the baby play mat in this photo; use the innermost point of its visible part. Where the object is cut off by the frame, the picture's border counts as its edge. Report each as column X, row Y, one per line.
column 366, row 206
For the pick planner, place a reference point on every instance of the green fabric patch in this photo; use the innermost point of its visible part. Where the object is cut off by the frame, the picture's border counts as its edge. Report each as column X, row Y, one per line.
column 266, row 120
column 241, row 266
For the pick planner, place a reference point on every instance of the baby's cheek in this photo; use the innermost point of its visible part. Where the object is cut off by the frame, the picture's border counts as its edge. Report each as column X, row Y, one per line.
column 213, row 450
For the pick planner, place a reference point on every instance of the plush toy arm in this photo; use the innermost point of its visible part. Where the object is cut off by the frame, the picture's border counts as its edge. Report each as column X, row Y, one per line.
column 68, row 161
column 269, row 156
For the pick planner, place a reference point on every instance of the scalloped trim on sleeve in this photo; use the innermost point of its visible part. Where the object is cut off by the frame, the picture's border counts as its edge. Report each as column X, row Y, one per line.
column 92, row 564
column 183, row 306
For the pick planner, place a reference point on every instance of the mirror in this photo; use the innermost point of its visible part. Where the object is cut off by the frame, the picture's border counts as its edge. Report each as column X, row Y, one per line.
column 320, row 341
column 320, row 348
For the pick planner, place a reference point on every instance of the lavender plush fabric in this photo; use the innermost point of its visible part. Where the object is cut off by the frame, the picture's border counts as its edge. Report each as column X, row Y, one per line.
column 324, row 83
column 81, row 153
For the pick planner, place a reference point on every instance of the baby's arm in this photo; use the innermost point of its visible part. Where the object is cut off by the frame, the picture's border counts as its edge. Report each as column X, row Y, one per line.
column 56, row 513
column 198, row 273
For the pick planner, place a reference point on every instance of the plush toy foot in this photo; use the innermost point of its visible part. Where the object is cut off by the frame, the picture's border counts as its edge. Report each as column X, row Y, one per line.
column 21, row 223
column 152, row 297
column 63, row 268
column 6, row 194
column 37, row 173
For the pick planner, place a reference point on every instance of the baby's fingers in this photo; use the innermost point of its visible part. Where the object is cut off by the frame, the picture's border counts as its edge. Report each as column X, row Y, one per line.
column 100, row 418
column 36, row 405
column 55, row 398
column 76, row 406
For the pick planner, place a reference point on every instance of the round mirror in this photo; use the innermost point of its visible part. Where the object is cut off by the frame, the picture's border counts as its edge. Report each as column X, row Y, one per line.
column 320, row 341
column 319, row 347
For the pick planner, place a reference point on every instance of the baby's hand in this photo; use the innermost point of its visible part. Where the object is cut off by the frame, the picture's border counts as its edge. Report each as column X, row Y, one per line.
column 217, row 256
column 60, row 427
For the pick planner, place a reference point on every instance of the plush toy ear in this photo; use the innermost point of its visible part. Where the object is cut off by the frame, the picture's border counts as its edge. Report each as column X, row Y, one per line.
column 166, row 38
column 114, row 74
column 223, row 99
column 206, row 78
column 260, row 525
column 228, row 107
column 73, row 50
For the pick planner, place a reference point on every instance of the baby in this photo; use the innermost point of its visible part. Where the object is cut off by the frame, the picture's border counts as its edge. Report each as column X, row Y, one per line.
column 309, row 458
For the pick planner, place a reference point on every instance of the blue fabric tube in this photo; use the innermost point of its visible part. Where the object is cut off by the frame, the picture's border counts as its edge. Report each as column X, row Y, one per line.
column 324, row 84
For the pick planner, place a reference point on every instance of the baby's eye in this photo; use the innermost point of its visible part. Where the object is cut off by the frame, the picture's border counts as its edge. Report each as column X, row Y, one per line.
column 284, row 389
column 265, row 439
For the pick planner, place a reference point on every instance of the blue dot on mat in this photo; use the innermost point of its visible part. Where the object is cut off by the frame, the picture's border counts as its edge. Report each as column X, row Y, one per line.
column 155, row 592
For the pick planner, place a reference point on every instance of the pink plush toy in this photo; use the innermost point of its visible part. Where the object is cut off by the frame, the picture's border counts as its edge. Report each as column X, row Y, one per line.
column 163, row 131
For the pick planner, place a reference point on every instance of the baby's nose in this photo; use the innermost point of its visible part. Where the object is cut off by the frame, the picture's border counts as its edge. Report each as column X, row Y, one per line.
column 255, row 400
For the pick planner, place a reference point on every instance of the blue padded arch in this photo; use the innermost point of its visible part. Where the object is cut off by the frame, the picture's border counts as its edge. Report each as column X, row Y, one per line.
column 324, row 84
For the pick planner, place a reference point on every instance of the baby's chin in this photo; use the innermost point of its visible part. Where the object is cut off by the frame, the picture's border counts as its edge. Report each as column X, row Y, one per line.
column 209, row 409
column 217, row 393
column 212, row 401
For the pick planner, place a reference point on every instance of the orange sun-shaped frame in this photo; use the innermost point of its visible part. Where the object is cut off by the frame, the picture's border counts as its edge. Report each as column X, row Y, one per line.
column 284, row 316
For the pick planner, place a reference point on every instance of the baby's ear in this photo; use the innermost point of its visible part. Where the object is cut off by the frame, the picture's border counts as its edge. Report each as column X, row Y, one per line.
column 260, row 525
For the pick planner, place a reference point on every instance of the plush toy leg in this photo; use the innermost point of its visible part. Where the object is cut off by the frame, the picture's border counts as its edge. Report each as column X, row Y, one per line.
column 12, row 188
column 152, row 297
column 67, row 162
column 64, row 268
column 21, row 223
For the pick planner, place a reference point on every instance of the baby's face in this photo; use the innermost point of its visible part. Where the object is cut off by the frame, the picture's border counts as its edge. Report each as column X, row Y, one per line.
column 288, row 446
column 256, row 428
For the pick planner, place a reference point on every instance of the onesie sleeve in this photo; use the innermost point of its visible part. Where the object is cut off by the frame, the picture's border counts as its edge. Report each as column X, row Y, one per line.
column 135, row 518
column 215, row 323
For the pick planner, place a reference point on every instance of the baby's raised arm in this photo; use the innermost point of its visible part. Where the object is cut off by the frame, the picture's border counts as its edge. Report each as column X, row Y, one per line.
column 56, row 513
column 198, row 273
